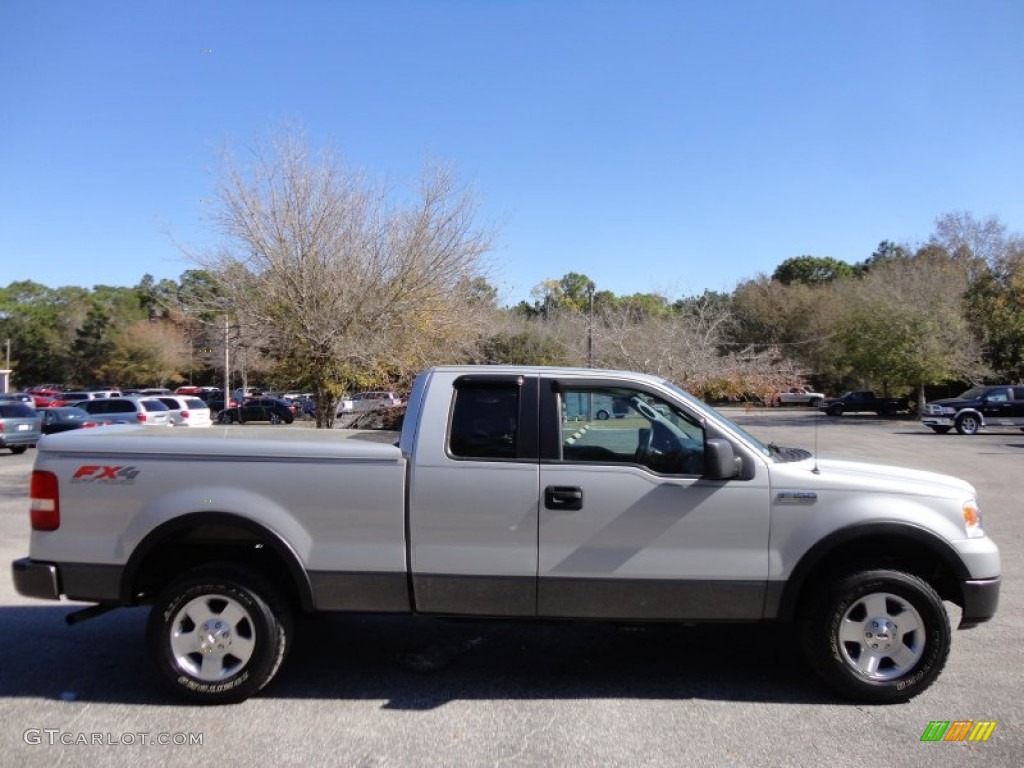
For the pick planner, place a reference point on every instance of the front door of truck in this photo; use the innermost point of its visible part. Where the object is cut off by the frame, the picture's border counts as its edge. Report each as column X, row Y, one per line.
column 629, row 528
column 473, row 499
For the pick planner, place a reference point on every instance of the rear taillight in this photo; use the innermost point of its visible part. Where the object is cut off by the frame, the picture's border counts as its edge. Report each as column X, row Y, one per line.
column 184, row 414
column 141, row 417
column 44, row 501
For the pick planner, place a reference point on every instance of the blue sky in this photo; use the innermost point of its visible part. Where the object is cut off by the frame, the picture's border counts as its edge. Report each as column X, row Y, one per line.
column 666, row 146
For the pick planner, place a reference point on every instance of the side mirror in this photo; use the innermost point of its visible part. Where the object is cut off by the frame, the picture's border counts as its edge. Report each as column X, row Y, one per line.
column 720, row 460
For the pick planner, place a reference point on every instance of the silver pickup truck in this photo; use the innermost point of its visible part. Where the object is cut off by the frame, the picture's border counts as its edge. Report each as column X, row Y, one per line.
column 501, row 500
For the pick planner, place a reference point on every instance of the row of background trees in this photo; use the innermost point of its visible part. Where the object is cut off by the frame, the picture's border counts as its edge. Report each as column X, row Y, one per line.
column 326, row 281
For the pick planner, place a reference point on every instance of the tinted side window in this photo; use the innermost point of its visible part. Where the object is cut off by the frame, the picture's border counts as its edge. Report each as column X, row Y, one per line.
column 485, row 421
column 116, row 406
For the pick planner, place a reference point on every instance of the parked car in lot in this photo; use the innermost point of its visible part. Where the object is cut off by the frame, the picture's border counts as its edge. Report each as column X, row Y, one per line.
column 366, row 401
column 18, row 397
column 997, row 406
column 187, row 411
column 797, row 396
column 148, row 411
column 73, row 398
column 215, row 402
column 19, row 426
column 258, row 409
column 66, row 418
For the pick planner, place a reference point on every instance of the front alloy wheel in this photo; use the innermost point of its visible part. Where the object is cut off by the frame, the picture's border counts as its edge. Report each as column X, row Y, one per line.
column 877, row 636
column 218, row 634
column 968, row 424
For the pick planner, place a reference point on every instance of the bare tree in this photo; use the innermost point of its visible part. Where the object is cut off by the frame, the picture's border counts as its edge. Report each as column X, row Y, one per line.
column 343, row 282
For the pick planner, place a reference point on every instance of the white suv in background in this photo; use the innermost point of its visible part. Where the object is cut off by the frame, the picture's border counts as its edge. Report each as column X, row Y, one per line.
column 187, row 410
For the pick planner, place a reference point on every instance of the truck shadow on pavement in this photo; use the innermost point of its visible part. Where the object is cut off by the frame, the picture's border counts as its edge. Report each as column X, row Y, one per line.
column 421, row 664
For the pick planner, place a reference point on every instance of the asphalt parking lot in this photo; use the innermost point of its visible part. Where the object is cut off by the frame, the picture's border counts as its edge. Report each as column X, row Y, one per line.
column 394, row 691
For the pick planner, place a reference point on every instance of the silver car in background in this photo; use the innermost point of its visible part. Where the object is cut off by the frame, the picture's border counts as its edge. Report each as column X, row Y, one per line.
column 20, row 426
column 148, row 411
column 187, row 411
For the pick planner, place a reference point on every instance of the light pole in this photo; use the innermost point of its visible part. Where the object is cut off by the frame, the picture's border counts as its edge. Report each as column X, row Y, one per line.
column 590, row 324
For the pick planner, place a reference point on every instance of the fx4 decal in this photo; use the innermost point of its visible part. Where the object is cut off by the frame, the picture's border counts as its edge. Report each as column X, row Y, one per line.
column 94, row 473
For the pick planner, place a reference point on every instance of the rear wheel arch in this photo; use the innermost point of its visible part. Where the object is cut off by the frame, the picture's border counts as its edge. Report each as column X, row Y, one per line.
column 196, row 539
column 901, row 546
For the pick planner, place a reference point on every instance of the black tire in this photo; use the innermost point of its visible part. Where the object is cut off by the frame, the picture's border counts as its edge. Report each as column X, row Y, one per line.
column 835, row 410
column 844, row 625
column 941, row 430
column 238, row 612
column 968, row 424
column 18, row 449
column 602, row 415
column 223, row 417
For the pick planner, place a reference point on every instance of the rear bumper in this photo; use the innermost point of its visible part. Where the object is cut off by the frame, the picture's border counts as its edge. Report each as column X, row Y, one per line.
column 981, row 598
column 7, row 439
column 39, row 580
column 78, row 581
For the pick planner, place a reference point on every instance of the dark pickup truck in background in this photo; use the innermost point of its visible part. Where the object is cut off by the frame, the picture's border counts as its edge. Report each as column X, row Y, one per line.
column 996, row 406
column 864, row 401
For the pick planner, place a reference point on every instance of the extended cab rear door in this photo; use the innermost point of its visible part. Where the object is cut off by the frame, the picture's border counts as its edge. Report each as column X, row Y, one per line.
column 629, row 526
column 473, row 491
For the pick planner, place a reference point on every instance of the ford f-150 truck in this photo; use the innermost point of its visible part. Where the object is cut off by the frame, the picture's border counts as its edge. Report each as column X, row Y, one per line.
column 496, row 503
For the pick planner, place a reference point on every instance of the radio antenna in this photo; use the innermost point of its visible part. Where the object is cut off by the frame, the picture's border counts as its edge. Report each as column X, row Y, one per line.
column 816, row 470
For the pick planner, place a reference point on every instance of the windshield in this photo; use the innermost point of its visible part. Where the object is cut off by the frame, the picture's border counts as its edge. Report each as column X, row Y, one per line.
column 706, row 409
column 974, row 393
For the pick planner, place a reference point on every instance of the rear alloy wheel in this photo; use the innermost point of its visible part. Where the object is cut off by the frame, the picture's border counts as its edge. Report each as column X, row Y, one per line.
column 968, row 424
column 218, row 634
column 275, row 418
column 877, row 636
column 602, row 415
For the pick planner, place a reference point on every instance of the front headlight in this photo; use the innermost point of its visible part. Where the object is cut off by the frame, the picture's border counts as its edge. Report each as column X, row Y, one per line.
column 948, row 411
column 972, row 519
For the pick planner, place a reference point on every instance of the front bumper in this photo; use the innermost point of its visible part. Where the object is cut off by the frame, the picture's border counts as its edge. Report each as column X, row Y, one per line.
column 981, row 598
column 938, row 421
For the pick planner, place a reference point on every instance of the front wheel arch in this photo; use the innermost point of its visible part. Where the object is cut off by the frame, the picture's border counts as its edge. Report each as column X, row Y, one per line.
column 968, row 423
column 899, row 546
